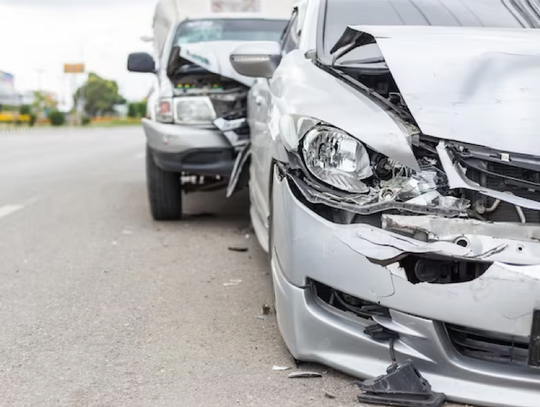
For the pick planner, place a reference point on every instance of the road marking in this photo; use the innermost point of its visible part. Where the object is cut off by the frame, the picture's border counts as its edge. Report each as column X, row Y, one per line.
column 9, row 210
column 140, row 156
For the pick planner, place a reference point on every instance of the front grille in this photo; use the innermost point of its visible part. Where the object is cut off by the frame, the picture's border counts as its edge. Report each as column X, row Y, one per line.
column 515, row 174
column 488, row 346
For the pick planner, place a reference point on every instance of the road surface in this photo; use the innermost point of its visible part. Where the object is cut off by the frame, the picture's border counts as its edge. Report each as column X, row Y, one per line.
column 101, row 306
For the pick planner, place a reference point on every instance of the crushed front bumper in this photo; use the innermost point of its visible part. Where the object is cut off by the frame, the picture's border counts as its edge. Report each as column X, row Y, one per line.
column 176, row 138
column 501, row 301
column 190, row 149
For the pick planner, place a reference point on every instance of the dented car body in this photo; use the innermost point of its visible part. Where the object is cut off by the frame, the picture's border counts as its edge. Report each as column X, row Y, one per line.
column 395, row 181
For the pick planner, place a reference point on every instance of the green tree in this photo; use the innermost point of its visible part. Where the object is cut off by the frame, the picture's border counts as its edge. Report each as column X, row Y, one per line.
column 137, row 110
column 57, row 118
column 98, row 95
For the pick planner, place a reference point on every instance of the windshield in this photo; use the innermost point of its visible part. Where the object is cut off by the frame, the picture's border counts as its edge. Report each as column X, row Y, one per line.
column 471, row 13
column 229, row 30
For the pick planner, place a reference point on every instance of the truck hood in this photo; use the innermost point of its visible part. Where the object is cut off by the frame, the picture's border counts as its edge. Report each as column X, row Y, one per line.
column 474, row 85
column 215, row 57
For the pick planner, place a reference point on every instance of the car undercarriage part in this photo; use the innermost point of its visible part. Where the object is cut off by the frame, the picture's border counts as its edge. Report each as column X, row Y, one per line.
column 401, row 386
column 199, row 183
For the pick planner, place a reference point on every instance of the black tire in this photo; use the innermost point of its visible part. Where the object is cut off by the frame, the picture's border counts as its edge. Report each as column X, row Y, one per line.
column 164, row 191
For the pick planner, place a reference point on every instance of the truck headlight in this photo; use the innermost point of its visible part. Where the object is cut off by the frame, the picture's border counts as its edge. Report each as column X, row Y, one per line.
column 337, row 159
column 194, row 110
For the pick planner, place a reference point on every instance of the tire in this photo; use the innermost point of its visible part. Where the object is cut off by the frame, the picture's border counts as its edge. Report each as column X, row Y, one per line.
column 164, row 191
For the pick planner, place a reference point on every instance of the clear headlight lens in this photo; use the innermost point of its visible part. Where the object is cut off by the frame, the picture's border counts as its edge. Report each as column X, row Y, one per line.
column 194, row 110
column 337, row 159
column 164, row 110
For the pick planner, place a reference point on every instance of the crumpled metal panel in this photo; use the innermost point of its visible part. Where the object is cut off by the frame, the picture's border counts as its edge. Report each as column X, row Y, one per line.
column 215, row 56
column 475, row 85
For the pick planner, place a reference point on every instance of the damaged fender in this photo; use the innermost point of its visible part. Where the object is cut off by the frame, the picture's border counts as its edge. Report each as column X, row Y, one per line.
column 295, row 93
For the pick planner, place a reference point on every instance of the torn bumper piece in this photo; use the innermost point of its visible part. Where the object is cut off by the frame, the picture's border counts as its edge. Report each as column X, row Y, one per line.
column 402, row 386
column 493, row 312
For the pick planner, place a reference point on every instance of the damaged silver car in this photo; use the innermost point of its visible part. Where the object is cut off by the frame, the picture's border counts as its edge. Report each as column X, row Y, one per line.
column 196, row 122
column 395, row 178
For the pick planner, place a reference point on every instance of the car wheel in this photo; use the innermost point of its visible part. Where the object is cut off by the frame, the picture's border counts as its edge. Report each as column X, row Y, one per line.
column 164, row 191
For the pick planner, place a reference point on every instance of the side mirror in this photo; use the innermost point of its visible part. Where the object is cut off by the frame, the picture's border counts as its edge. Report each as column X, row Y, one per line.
column 141, row 62
column 257, row 59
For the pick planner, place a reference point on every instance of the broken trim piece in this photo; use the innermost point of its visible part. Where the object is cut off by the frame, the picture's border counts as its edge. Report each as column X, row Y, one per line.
column 401, row 386
column 240, row 166
column 334, row 201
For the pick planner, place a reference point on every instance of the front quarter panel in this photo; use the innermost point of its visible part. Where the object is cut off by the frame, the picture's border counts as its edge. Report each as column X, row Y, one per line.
column 302, row 89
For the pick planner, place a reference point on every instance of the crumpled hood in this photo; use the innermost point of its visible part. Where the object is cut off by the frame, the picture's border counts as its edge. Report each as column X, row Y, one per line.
column 215, row 57
column 474, row 85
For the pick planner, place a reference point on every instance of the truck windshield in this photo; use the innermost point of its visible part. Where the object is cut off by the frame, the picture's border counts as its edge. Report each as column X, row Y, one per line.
column 471, row 13
column 229, row 30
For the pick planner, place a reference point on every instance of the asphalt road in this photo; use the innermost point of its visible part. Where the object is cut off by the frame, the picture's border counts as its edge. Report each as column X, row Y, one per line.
column 101, row 306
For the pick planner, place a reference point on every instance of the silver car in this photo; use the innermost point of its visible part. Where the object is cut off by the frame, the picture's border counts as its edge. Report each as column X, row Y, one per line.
column 395, row 178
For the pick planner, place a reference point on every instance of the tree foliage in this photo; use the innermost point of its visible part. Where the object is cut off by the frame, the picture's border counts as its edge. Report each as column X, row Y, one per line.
column 57, row 118
column 98, row 95
column 44, row 101
column 137, row 110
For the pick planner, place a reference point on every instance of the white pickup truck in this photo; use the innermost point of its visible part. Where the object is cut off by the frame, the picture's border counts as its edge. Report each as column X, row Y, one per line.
column 196, row 121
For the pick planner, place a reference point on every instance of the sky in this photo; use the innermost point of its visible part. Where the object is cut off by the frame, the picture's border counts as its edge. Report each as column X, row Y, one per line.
column 38, row 36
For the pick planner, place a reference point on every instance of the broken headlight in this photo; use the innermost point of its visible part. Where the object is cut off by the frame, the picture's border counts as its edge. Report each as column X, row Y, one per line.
column 194, row 110
column 337, row 159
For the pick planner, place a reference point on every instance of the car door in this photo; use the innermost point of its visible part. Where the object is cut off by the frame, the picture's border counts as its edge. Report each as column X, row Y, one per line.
column 260, row 109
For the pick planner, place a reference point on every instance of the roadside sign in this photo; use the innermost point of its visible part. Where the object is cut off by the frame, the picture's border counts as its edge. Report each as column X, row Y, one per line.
column 74, row 68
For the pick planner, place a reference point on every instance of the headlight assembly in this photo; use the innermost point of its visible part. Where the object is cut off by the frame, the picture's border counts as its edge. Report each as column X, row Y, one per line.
column 337, row 159
column 194, row 110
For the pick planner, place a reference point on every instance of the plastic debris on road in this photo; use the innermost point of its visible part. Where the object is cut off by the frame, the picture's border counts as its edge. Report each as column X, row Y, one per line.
column 304, row 375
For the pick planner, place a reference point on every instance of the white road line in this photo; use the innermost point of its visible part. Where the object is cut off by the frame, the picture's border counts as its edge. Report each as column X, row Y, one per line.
column 9, row 210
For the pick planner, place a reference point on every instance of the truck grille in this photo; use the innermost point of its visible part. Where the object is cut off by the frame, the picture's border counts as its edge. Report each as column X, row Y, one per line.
column 488, row 346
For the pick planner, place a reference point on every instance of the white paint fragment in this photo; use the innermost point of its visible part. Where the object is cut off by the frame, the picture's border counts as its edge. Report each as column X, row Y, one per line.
column 232, row 283
column 280, row 368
